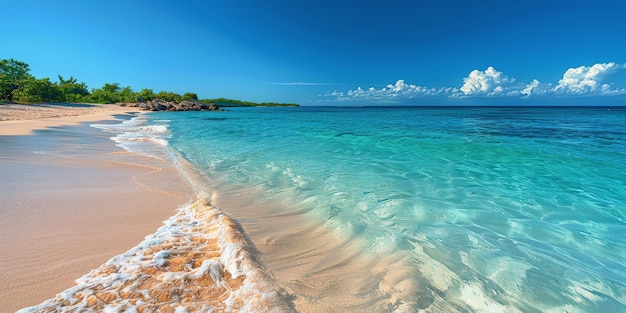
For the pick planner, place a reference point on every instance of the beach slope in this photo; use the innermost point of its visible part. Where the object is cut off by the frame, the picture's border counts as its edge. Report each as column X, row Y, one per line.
column 70, row 199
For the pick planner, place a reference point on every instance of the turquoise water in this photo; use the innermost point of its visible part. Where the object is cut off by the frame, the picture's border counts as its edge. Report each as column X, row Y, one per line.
column 493, row 209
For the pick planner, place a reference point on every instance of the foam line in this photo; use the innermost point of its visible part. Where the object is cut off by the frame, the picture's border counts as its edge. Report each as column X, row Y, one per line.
column 197, row 261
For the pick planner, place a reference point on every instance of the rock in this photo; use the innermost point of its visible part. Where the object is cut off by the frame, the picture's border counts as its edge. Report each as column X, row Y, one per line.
column 162, row 105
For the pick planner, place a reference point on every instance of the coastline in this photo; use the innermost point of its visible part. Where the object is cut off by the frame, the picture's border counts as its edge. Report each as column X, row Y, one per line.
column 217, row 265
column 395, row 251
column 23, row 119
column 59, row 218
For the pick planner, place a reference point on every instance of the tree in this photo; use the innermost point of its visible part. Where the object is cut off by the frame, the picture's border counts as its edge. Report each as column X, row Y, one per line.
column 169, row 96
column 112, row 88
column 38, row 90
column 190, row 96
column 16, row 83
column 107, row 94
column 127, row 94
column 72, row 90
column 12, row 75
column 146, row 95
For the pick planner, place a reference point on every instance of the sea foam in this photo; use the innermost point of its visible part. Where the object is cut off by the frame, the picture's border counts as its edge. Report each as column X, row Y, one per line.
column 136, row 135
column 198, row 261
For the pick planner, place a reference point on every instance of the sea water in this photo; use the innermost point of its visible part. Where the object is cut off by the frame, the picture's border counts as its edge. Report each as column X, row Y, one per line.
column 455, row 209
column 496, row 209
column 513, row 209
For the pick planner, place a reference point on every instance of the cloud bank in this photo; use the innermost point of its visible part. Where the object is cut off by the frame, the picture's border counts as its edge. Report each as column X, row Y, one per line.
column 491, row 83
column 390, row 93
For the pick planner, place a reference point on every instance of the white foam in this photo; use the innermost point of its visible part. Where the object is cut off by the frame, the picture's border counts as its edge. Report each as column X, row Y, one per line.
column 197, row 261
column 136, row 135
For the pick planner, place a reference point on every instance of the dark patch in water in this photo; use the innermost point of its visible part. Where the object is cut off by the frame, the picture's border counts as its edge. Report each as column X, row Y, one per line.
column 215, row 118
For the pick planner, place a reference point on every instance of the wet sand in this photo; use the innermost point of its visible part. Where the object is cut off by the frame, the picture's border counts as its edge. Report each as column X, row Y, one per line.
column 74, row 201
column 70, row 200
column 21, row 119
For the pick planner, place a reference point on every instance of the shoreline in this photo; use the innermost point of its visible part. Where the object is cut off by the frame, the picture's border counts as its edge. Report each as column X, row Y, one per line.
column 24, row 119
column 311, row 283
column 59, row 220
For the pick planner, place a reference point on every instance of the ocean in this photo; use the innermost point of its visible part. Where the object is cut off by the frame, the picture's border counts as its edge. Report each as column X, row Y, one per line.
column 413, row 209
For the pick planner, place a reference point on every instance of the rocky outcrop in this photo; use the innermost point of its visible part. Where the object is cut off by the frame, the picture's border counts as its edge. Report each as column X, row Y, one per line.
column 162, row 105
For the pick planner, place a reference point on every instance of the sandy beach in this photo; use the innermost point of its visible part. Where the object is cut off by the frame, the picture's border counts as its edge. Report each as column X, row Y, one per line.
column 19, row 119
column 76, row 209
column 70, row 200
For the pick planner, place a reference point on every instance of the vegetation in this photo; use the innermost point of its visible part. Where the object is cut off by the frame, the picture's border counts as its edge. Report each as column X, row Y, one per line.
column 13, row 74
column 72, row 89
column 18, row 85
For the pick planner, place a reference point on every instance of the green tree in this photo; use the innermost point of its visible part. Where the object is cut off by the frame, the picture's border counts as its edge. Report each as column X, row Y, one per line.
column 112, row 88
column 13, row 74
column 127, row 94
column 169, row 96
column 38, row 90
column 107, row 94
column 145, row 95
column 72, row 90
column 190, row 96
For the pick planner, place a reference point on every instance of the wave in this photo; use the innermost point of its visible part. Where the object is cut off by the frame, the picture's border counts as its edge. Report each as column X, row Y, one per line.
column 432, row 246
column 137, row 136
column 198, row 261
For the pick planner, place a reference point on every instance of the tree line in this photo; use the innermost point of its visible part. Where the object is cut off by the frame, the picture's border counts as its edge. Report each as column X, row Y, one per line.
column 18, row 85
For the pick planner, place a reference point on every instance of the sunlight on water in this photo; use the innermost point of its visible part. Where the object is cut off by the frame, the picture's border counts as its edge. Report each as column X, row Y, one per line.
column 138, row 136
column 493, row 209
column 378, row 209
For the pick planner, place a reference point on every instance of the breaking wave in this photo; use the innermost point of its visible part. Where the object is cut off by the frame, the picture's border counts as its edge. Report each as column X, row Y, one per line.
column 198, row 261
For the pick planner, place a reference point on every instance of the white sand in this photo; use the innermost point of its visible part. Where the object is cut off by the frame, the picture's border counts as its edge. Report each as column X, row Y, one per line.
column 61, row 216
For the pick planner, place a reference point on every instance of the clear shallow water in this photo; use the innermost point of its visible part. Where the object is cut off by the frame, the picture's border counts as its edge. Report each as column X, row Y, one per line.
column 492, row 209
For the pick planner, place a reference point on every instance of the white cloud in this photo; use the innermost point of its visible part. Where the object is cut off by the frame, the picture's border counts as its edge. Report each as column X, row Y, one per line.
column 536, row 88
column 489, row 82
column 530, row 87
column 583, row 80
column 586, row 80
column 392, row 92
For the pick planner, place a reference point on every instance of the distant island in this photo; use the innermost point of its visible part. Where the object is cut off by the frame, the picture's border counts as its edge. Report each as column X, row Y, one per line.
column 17, row 85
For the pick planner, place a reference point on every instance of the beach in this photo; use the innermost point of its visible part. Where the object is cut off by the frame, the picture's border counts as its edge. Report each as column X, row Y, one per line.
column 19, row 119
column 71, row 200
column 430, row 209
column 87, row 225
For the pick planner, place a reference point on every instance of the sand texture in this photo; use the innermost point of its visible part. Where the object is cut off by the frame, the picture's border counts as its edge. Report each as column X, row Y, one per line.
column 70, row 200
column 22, row 119
column 197, row 262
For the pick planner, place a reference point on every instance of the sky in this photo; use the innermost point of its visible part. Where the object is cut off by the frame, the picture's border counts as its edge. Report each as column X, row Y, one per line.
column 420, row 52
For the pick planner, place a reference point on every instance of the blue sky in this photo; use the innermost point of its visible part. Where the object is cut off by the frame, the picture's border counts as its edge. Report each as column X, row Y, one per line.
column 332, row 52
